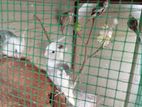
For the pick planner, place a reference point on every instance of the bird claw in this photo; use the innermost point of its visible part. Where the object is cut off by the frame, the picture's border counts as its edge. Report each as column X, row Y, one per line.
column 58, row 93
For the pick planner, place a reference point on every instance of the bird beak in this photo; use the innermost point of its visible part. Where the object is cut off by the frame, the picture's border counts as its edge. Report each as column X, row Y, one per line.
column 45, row 53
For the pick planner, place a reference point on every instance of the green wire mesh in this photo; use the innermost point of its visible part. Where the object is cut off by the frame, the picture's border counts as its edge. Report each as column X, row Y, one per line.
column 139, row 98
column 107, row 75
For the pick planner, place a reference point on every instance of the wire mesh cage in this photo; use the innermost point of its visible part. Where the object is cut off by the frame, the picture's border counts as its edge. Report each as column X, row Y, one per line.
column 70, row 53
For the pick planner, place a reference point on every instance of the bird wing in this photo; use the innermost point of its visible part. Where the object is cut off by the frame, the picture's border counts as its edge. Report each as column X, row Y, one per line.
column 6, row 35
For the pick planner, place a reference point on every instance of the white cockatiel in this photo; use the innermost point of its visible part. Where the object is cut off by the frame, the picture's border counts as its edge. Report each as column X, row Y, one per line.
column 54, row 53
column 10, row 44
column 64, row 82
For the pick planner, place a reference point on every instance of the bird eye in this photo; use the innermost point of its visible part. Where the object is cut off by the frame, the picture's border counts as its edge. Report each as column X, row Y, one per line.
column 53, row 51
column 16, row 51
column 60, row 46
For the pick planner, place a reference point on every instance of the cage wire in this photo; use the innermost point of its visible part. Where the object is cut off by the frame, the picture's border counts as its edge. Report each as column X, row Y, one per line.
column 139, row 98
column 67, row 53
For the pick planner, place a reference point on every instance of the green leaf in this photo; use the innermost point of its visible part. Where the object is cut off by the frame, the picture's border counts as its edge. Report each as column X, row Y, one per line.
column 77, row 27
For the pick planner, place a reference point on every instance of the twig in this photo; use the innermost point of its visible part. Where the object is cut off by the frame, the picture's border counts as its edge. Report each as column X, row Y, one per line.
column 79, row 35
column 32, row 28
column 85, row 54
column 97, row 50
column 63, row 20
column 93, row 20
column 45, row 32
column 15, row 21
column 86, row 44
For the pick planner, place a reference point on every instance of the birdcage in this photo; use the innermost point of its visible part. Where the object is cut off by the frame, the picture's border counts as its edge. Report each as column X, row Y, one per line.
column 70, row 53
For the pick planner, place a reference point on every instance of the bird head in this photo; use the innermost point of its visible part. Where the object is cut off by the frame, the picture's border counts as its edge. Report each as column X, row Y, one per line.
column 14, row 47
column 55, row 51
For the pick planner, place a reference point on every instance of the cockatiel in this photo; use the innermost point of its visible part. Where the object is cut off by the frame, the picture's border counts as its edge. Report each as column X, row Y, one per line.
column 55, row 57
column 133, row 25
column 10, row 44
column 55, row 53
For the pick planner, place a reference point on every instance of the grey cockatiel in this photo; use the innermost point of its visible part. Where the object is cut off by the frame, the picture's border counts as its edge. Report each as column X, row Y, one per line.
column 10, row 44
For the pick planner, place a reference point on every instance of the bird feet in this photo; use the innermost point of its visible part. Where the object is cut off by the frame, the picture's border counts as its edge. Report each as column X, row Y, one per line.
column 58, row 93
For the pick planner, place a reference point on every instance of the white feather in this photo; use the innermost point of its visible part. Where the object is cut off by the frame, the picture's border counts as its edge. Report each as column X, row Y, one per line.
column 58, row 77
column 66, row 86
column 13, row 47
column 84, row 9
column 63, row 83
column 54, row 54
